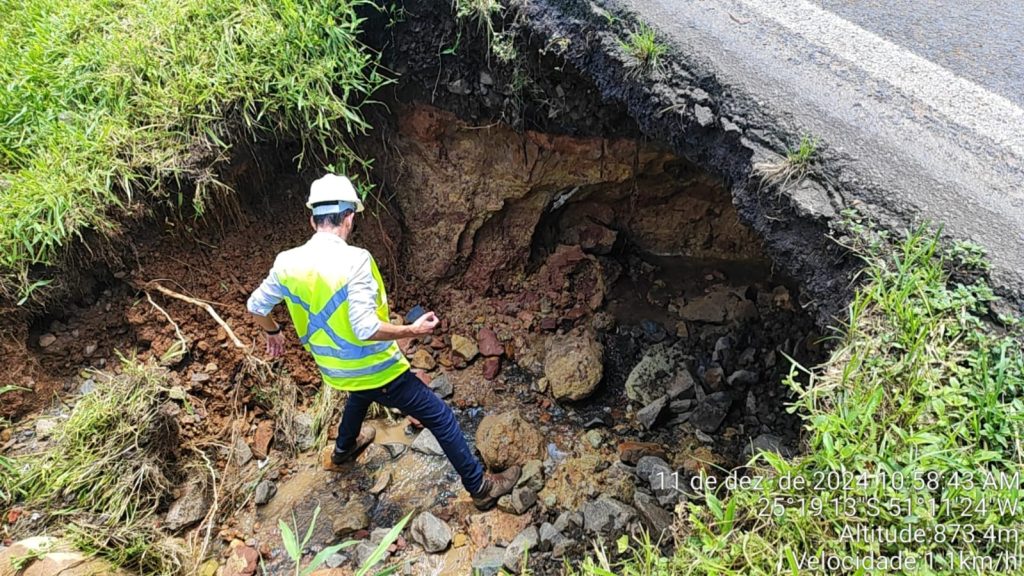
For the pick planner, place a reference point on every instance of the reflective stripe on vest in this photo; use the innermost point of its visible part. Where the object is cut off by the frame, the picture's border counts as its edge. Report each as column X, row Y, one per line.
column 345, row 362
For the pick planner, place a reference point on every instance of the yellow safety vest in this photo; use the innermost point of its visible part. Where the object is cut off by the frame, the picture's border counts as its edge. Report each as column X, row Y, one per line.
column 318, row 304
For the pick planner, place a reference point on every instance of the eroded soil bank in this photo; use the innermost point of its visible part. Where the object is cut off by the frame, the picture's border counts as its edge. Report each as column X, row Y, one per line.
column 603, row 302
column 600, row 293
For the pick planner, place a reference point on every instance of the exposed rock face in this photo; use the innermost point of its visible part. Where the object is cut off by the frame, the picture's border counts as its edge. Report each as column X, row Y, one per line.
column 506, row 440
column 458, row 221
column 573, row 364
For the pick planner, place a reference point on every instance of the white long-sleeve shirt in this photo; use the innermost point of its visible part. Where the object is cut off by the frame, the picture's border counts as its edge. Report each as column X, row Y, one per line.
column 329, row 250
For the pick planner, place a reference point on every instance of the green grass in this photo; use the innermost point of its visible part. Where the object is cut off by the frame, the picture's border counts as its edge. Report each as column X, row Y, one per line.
column 109, row 103
column 8, row 471
column 919, row 388
column 644, row 48
column 107, row 471
column 802, row 154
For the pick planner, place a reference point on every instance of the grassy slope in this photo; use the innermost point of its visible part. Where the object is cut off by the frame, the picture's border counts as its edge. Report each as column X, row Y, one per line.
column 103, row 100
column 919, row 389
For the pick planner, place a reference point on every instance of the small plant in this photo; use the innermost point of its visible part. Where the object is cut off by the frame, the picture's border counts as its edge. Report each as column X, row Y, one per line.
column 968, row 255
column 645, row 49
column 802, row 155
column 791, row 169
column 294, row 548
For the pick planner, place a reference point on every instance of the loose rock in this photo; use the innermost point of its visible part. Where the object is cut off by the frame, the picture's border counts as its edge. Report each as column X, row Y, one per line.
column 47, row 340
column 656, row 519
column 648, row 415
column 714, row 376
column 265, row 490
column 423, row 360
column 709, row 414
column 661, row 370
column 261, row 439
column 488, row 344
column 189, row 509
column 507, row 439
column 442, row 386
column 44, row 427
column 355, row 516
column 768, row 443
column 302, row 431
column 491, row 367
column 607, row 516
column 532, row 476
column 630, row 452
column 243, row 560
column 430, row 532
column 426, row 443
column 518, row 502
column 521, row 545
column 242, row 453
column 464, row 347
column 742, row 378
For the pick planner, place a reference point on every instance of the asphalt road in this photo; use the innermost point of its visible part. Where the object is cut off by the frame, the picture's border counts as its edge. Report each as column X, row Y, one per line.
column 921, row 100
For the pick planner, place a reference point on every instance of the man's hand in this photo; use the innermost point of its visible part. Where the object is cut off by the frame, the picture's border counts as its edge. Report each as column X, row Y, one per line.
column 275, row 344
column 425, row 324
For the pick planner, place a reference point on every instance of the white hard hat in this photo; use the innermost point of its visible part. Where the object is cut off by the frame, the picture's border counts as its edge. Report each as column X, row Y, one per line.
column 331, row 194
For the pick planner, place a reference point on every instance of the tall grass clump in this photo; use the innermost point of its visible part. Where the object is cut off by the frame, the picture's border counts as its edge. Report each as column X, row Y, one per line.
column 913, row 427
column 645, row 49
column 107, row 471
column 106, row 101
column 790, row 170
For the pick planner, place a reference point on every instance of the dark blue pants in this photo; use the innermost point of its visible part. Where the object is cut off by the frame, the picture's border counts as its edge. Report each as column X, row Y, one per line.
column 409, row 395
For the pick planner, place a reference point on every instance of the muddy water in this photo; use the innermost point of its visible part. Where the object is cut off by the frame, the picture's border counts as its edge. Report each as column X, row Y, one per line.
column 415, row 482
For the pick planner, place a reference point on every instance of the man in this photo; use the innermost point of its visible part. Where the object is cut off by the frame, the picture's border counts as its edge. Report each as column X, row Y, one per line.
column 337, row 302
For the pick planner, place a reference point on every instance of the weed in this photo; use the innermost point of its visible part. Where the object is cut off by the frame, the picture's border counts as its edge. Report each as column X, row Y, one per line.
column 504, row 48
column 790, row 170
column 644, row 48
column 640, row 556
column 105, row 101
column 969, row 256
column 294, row 548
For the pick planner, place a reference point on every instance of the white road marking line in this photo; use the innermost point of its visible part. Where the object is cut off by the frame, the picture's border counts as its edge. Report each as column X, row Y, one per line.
column 960, row 100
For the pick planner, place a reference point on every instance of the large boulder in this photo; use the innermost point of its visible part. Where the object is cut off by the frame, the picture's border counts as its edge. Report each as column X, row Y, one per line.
column 507, row 439
column 573, row 364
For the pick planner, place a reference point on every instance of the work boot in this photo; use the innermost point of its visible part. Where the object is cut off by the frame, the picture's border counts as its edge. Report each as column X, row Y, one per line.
column 364, row 439
column 495, row 486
